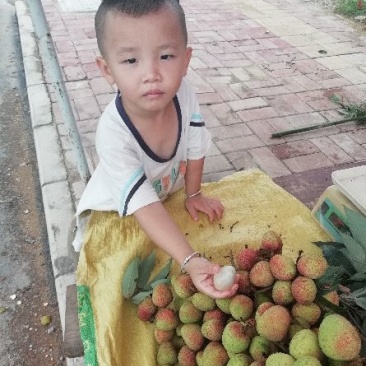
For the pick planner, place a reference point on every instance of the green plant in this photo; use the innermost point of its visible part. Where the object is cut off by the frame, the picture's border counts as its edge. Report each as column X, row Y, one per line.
column 350, row 8
column 347, row 271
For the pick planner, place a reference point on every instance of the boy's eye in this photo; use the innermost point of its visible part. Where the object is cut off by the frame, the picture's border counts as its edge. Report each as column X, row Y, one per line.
column 130, row 61
column 166, row 57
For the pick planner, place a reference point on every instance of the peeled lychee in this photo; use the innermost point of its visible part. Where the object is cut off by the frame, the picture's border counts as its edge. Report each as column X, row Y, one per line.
column 183, row 285
column 225, row 278
column 305, row 343
column 214, row 354
column 274, row 323
column 271, row 242
column 280, row 359
column 234, row 338
column 282, row 267
column 246, row 258
column 309, row 312
column 241, row 307
column 338, row 338
column 192, row 336
column 312, row 265
column 162, row 295
column 146, row 309
column 166, row 319
column 303, row 290
column 260, row 275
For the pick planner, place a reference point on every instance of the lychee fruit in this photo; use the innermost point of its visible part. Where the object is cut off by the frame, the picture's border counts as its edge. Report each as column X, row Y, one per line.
column 166, row 319
column 215, row 314
column 234, row 338
column 260, row 348
column 282, row 267
column 338, row 338
column 224, row 278
column 262, row 308
column 212, row 329
column 162, row 295
column 188, row 313
column 262, row 297
column 239, row 359
column 214, row 354
column 250, row 327
column 186, row 357
column 274, row 323
column 280, row 359
column 244, row 285
column 312, row 265
column 224, row 304
column 281, row 293
column 192, row 336
column 162, row 336
column 146, row 309
column 260, row 275
column 167, row 354
column 305, row 343
column 303, row 290
column 271, row 242
column 183, row 285
column 307, row 361
column 296, row 325
column 309, row 312
column 332, row 297
column 203, row 302
column 241, row 307
column 246, row 258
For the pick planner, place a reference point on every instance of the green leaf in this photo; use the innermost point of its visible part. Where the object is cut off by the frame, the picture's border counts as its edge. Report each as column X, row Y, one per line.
column 336, row 258
column 162, row 280
column 357, row 277
column 140, row 296
column 331, row 278
column 328, row 244
column 129, row 278
column 359, row 297
column 328, row 304
column 145, row 268
column 355, row 254
column 357, row 225
column 163, row 273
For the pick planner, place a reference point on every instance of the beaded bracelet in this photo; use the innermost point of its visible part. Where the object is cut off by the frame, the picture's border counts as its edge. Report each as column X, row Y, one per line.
column 193, row 195
column 187, row 259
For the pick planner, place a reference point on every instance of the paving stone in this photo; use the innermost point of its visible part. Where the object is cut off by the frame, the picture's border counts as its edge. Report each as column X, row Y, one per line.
column 227, row 132
column 307, row 162
column 250, row 103
column 331, row 150
column 293, row 149
column 350, row 146
column 216, row 164
column 238, row 143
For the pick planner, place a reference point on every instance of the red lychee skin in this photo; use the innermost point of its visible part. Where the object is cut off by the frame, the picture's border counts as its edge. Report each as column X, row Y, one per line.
column 260, row 275
column 244, row 285
column 166, row 319
column 162, row 336
column 246, row 259
column 271, row 242
column 212, row 329
column 309, row 312
column 282, row 267
column 303, row 290
column 146, row 309
column 192, row 336
column 184, row 286
column 162, row 295
column 262, row 308
column 281, row 293
column 215, row 314
column 312, row 266
column 186, row 357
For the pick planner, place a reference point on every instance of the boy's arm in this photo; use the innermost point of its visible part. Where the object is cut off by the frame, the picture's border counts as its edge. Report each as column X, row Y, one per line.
column 156, row 222
column 195, row 202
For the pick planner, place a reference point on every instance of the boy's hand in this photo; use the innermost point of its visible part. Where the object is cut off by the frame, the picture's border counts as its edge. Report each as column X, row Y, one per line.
column 202, row 271
column 210, row 206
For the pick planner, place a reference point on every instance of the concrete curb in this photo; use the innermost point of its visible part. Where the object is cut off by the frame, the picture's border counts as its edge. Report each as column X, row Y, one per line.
column 58, row 203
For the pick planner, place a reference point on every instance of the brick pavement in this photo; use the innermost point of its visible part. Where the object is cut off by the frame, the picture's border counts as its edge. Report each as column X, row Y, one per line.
column 257, row 67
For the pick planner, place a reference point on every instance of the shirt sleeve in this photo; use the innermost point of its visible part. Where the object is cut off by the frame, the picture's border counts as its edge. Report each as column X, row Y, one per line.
column 199, row 139
column 123, row 171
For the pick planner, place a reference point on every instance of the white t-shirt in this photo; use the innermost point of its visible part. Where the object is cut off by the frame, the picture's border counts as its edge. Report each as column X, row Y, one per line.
column 129, row 174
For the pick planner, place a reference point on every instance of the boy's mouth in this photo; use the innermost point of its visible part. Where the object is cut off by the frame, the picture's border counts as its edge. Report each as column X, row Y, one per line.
column 153, row 93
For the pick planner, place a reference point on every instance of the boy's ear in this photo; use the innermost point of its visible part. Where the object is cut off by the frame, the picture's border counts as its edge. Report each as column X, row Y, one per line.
column 188, row 58
column 104, row 69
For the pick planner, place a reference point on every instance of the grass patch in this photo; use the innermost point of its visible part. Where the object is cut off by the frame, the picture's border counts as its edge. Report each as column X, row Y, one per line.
column 350, row 8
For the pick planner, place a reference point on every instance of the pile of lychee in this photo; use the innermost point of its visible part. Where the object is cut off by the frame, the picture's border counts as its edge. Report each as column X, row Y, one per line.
column 273, row 320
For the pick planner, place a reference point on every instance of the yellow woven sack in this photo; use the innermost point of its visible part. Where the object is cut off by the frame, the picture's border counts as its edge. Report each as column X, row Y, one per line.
column 111, row 332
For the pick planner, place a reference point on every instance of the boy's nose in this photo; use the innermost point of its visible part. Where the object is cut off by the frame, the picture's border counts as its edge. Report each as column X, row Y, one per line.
column 152, row 73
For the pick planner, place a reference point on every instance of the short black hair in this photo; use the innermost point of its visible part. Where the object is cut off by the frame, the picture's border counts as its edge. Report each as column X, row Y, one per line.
column 134, row 8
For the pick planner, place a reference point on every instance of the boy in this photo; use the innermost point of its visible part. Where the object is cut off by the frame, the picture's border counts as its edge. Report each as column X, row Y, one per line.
column 151, row 140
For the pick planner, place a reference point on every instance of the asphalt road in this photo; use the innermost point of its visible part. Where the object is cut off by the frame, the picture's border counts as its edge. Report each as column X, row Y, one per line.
column 27, row 290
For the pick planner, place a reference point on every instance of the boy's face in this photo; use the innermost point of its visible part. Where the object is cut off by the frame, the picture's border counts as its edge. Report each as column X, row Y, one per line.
column 146, row 58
